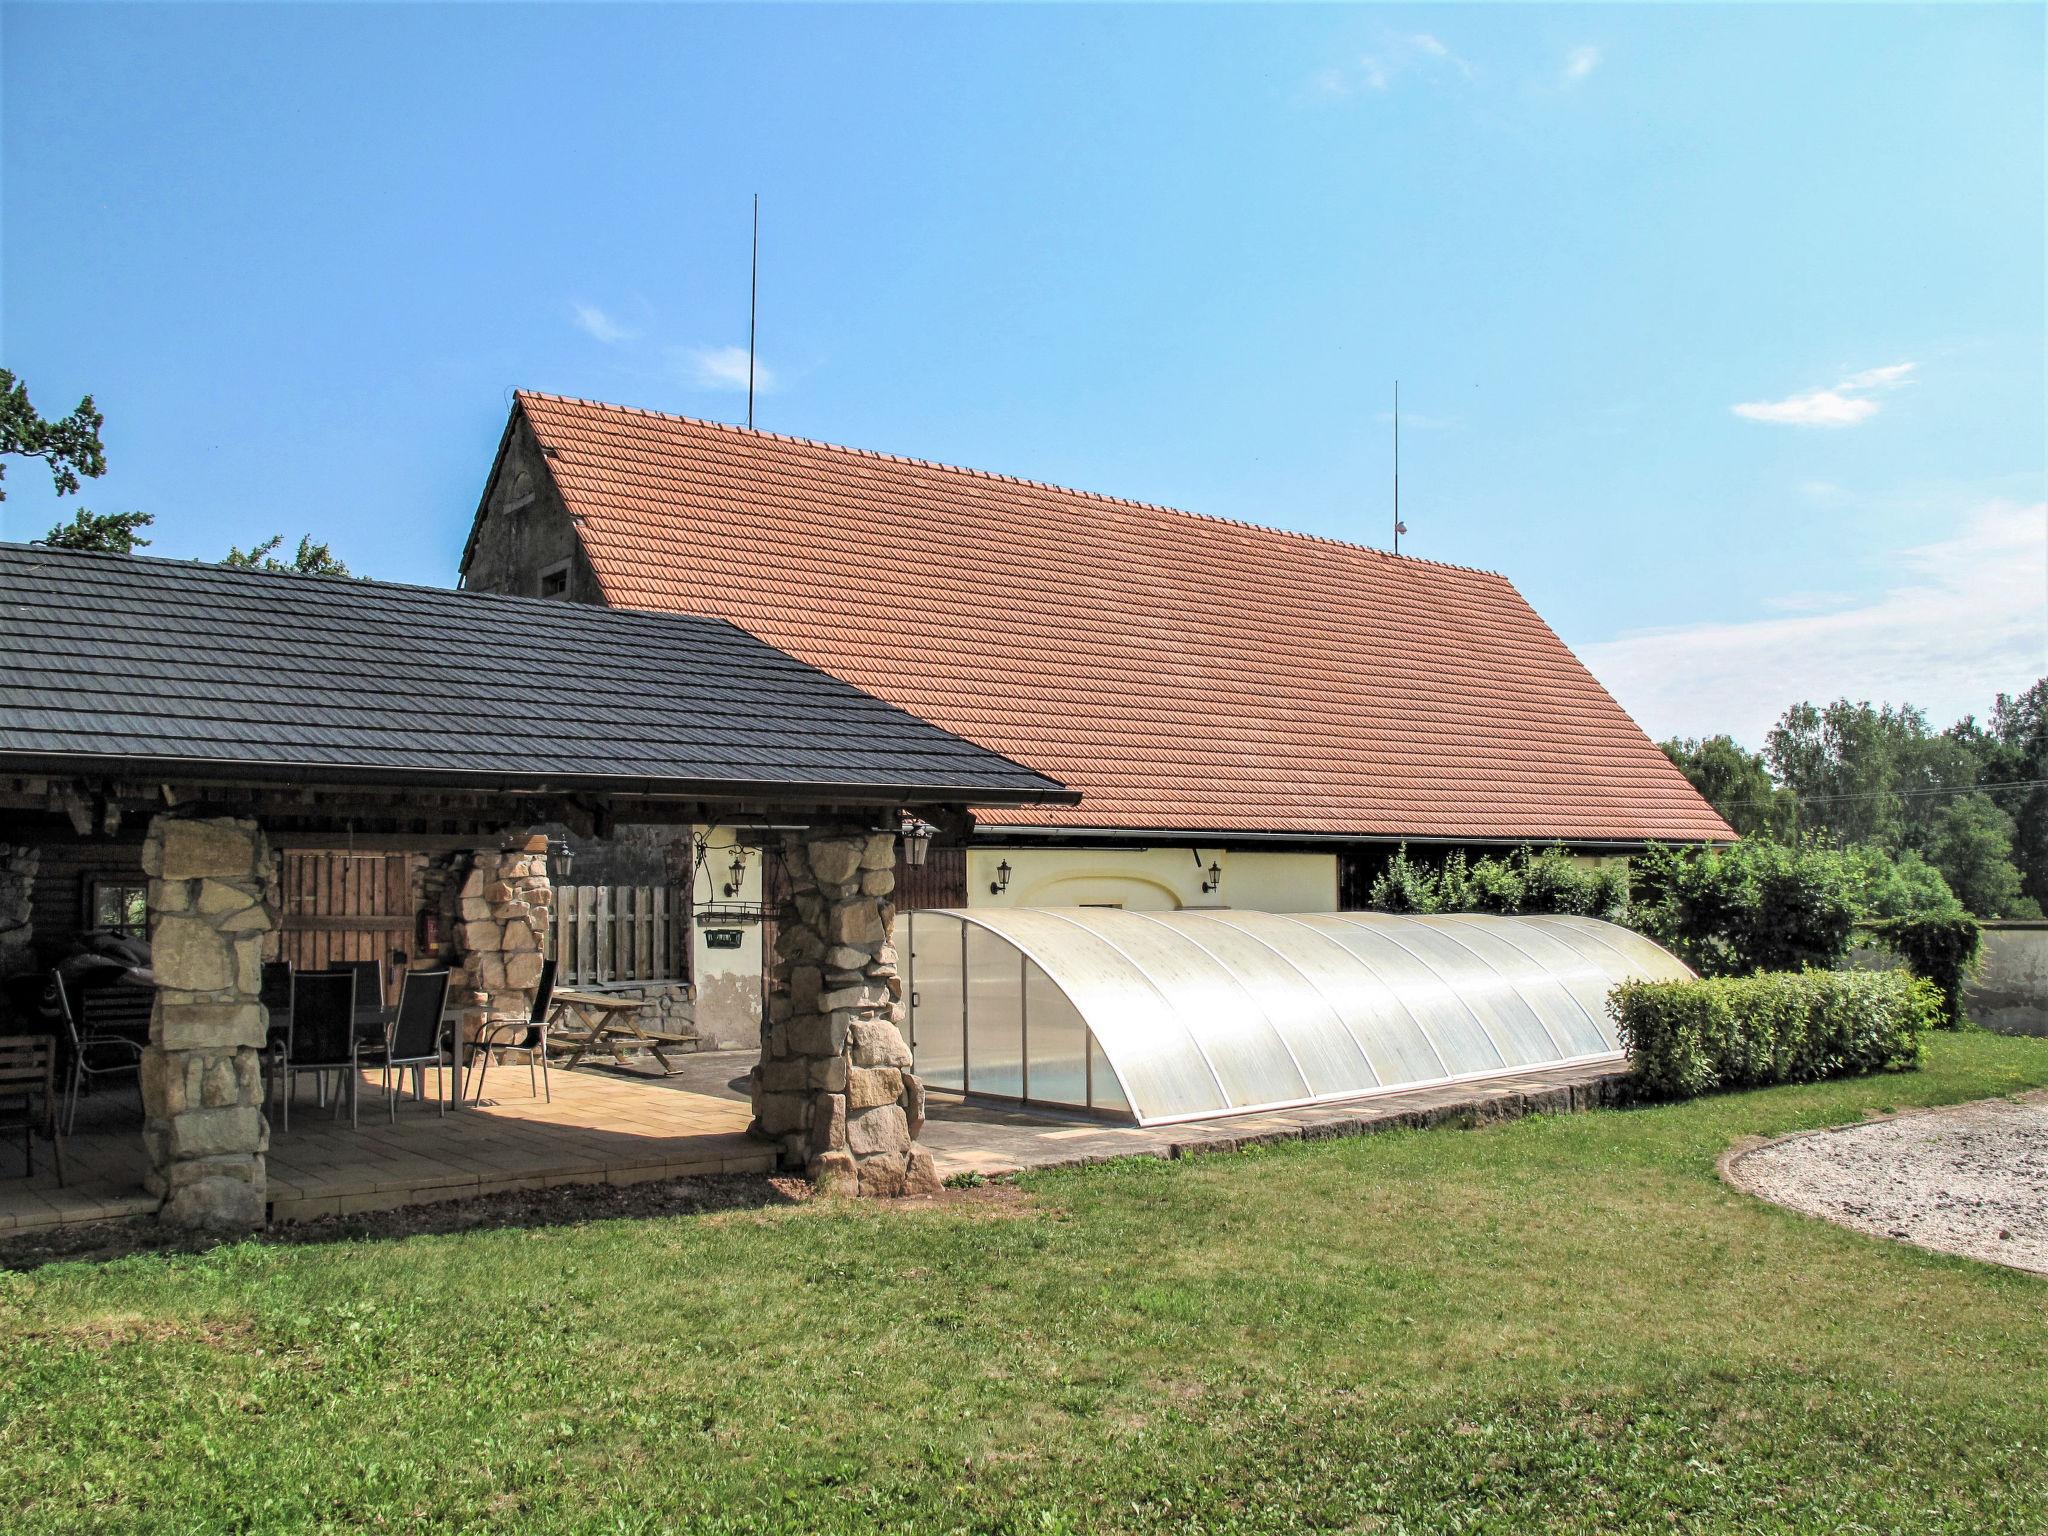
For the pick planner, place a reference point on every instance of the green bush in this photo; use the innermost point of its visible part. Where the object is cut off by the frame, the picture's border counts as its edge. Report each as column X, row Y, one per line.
column 1691, row 1037
column 1748, row 907
column 1942, row 950
column 1526, row 881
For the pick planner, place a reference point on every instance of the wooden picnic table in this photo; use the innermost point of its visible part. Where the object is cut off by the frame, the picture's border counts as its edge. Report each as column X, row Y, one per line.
column 613, row 1023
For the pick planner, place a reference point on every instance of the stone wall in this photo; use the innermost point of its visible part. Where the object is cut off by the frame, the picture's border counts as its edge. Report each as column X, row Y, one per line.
column 2009, row 993
column 833, row 1088
column 523, row 529
column 17, row 908
column 503, row 904
column 202, row 1080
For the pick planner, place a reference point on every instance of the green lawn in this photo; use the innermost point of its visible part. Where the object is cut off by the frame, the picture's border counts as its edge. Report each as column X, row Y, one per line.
column 1560, row 1324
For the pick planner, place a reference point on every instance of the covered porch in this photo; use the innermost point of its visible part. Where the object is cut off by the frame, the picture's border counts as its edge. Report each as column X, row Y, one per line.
column 603, row 1127
column 209, row 717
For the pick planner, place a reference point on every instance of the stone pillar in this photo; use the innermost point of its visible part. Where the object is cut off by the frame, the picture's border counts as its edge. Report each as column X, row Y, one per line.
column 17, row 887
column 505, row 903
column 833, row 1088
column 202, row 1079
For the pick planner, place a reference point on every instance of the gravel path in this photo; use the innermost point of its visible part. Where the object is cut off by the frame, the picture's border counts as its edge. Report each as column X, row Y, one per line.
column 1969, row 1179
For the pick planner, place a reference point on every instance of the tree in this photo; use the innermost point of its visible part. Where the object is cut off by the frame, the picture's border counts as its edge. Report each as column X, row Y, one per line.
column 1844, row 763
column 104, row 533
column 1903, row 887
column 311, row 560
column 1971, row 845
column 1735, row 783
column 2014, row 758
column 70, row 445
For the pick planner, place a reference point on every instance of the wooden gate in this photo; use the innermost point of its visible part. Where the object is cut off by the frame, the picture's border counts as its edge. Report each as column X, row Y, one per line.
column 619, row 933
column 349, row 906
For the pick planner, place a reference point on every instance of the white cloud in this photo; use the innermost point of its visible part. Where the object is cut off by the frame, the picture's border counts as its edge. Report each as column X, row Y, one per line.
column 726, row 368
column 1843, row 405
column 1399, row 54
column 1581, row 62
column 599, row 324
column 1967, row 617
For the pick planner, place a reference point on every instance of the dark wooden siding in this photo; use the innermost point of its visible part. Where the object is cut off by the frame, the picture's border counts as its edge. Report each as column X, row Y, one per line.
column 64, row 876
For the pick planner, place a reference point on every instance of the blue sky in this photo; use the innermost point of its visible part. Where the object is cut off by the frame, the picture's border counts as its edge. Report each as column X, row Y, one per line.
column 1720, row 330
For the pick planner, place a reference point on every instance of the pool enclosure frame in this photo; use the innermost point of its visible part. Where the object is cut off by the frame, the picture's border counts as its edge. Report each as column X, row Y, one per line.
column 1162, row 1017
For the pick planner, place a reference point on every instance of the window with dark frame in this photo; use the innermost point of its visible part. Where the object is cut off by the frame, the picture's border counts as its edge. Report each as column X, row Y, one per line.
column 120, row 906
column 554, row 581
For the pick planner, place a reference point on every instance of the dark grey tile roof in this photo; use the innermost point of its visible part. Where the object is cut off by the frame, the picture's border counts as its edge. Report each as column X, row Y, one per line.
column 167, row 663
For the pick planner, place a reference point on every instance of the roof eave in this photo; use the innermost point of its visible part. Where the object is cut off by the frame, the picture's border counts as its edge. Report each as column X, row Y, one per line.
column 626, row 786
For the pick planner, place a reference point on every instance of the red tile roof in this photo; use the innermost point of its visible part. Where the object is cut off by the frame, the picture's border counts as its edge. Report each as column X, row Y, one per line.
column 1183, row 672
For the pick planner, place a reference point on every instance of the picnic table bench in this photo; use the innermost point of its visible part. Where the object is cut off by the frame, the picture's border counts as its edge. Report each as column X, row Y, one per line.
column 611, row 1023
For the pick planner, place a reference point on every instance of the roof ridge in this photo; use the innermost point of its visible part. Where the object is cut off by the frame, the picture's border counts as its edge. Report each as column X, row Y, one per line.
column 520, row 395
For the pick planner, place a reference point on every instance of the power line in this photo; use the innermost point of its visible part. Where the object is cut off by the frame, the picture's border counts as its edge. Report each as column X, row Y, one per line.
column 1897, row 794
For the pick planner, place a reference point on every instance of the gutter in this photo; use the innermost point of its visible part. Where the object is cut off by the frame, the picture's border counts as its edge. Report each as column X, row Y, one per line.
column 293, row 775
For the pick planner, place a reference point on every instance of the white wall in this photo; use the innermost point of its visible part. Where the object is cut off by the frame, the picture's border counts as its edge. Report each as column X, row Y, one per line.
column 1153, row 879
column 727, row 981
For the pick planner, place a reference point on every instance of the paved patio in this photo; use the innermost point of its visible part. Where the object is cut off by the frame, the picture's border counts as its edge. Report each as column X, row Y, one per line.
column 969, row 1136
column 601, row 1128
column 622, row 1126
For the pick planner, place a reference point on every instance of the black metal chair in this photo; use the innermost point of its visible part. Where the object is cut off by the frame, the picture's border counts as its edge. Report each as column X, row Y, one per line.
column 28, row 1095
column 369, row 976
column 532, row 1038
column 417, row 1038
column 322, row 1038
column 95, row 1054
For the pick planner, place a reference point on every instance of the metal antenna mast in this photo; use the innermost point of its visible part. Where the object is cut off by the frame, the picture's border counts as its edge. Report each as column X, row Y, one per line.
column 753, row 306
column 1399, row 526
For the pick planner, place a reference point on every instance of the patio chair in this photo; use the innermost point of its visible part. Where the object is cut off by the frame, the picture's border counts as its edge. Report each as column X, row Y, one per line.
column 369, row 976
column 532, row 1038
column 95, row 1053
column 322, row 1038
column 417, row 1038
column 28, row 1095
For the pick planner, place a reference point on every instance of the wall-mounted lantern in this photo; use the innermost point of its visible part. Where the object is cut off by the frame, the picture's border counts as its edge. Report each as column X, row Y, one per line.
column 736, row 874
column 1215, row 878
column 561, row 859
column 1001, row 883
column 917, row 841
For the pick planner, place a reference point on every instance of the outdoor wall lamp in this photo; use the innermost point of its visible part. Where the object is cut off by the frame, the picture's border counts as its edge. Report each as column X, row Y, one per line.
column 1215, row 879
column 917, row 841
column 561, row 858
column 1001, row 883
column 737, row 873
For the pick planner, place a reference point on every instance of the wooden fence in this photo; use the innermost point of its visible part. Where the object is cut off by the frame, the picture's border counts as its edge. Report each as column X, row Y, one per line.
column 613, row 933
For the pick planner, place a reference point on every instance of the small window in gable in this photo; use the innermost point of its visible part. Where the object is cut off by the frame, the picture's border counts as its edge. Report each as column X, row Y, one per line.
column 554, row 581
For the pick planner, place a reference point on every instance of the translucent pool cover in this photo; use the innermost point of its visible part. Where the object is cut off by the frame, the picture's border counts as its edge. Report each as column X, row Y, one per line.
column 1176, row 1015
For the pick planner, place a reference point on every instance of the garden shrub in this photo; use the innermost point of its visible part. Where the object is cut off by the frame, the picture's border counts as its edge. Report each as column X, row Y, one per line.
column 1524, row 882
column 1691, row 1037
column 1942, row 950
column 1751, row 906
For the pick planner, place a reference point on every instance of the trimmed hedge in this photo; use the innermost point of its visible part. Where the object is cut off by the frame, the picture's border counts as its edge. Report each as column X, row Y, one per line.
column 1691, row 1037
column 1941, row 949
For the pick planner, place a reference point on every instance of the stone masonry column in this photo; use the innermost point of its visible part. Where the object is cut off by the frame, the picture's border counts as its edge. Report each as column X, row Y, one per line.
column 202, row 1078
column 506, row 900
column 833, row 1088
column 17, row 914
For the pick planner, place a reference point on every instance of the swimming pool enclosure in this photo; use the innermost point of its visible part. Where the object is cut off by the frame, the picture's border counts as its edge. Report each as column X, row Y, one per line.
column 1164, row 1016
